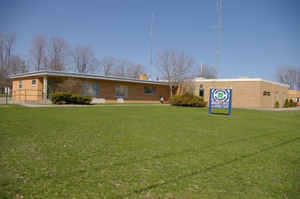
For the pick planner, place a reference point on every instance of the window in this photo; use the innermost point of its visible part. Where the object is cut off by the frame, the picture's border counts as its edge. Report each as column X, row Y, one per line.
column 267, row 93
column 201, row 91
column 276, row 96
column 90, row 89
column 298, row 99
column 121, row 91
column 20, row 84
column 149, row 90
column 33, row 82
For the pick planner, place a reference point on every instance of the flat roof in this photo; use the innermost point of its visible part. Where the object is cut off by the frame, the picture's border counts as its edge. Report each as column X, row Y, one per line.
column 85, row 76
column 239, row 80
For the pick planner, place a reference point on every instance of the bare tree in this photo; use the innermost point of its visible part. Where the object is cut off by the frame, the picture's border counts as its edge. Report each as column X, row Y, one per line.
column 38, row 51
column 174, row 66
column 126, row 68
column 58, row 54
column 121, row 68
column 108, row 64
column 135, row 70
column 69, row 85
column 298, row 78
column 10, row 41
column 289, row 75
column 206, row 71
column 7, row 43
column 17, row 65
column 2, row 51
column 84, row 59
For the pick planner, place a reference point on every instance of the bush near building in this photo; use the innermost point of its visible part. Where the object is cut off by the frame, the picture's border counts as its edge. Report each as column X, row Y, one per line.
column 277, row 105
column 289, row 103
column 295, row 104
column 292, row 103
column 69, row 98
column 187, row 99
column 286, row 103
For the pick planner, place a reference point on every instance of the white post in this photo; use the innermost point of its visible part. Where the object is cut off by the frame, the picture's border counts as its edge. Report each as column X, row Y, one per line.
column 45, row 87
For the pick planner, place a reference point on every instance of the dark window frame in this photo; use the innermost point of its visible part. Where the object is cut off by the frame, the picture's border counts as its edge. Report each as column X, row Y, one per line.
column 20, row 84
column 91, row 89
column 33, row 84
column 121, row 87
column 267, row 93
column 151, row 88
column 201, row 91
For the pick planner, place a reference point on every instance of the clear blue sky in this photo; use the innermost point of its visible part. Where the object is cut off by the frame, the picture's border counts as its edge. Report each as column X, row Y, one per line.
column 258, row 35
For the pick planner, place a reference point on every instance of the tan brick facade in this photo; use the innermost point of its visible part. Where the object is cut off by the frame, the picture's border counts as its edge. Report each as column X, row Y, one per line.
column 135, row 90
column 294, row 95
column 29, row 92
column 246, row 93
column 23, row 89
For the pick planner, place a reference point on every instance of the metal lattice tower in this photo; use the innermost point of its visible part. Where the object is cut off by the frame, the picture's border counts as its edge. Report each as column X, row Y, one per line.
column 150, row 40
column 150, row 37
column 219, row 45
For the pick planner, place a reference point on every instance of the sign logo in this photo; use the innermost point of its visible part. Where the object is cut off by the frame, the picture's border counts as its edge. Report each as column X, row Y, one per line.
column 220, row 98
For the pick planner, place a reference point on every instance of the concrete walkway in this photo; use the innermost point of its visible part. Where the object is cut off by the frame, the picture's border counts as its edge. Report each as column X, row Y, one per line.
column 277, row 109
column 143, row 104
column 94, row 105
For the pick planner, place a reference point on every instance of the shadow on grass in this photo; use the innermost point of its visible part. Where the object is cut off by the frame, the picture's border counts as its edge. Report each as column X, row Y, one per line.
column 226, row 114
column 166, row 155
column 222, row 164
column 196, row 150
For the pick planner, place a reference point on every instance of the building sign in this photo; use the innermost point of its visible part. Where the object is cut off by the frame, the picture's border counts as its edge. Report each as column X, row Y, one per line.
column 7, row 90
column 220, row 98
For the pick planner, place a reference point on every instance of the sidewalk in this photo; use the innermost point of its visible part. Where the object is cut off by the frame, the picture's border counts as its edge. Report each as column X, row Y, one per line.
column 277, row 109
column 94, row 105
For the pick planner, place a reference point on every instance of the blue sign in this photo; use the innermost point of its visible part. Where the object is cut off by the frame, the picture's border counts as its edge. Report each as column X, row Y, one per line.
column 220, row 98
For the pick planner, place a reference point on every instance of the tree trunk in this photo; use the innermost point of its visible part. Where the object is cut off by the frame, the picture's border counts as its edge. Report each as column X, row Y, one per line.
column 171, row 90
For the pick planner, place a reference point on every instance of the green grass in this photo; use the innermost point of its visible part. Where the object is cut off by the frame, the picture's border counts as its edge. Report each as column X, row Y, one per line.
column 148, row 152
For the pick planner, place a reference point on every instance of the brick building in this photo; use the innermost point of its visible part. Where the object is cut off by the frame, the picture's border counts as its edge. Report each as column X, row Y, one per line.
column 246, row 92
column 294, row 95
column 37, row 86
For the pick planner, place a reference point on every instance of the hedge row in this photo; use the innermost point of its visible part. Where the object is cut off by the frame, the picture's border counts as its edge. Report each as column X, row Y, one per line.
column 187, row 100
column 289, row 103
column 69, row 98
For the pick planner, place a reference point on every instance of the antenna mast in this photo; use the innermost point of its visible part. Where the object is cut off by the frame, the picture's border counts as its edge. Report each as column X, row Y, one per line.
column 150, row 35
column 219, row 47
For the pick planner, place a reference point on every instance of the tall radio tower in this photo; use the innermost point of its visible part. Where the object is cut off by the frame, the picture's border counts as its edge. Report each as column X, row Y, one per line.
column 150, row 38
column 219, row 45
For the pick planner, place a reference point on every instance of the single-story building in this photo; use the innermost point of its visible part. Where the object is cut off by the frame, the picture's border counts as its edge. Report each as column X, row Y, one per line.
column 294, row 95
column 246, row 92
column 37, row 86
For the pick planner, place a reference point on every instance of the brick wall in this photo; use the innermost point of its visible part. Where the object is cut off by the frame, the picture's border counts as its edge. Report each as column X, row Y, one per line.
column 269, row 101
column 106, row 89
column 294, row 95
column 28, row 92
column 247, row 94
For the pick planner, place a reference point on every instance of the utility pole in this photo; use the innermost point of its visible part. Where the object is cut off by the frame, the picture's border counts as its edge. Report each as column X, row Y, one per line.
column 219, row 46
column 150, row 38
column 150, row 35
column 201, row 70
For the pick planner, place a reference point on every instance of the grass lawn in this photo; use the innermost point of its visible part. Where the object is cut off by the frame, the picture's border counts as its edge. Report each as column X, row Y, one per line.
column 148, row 152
